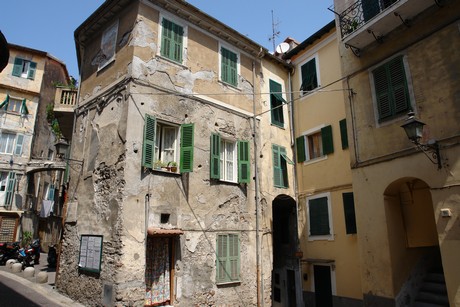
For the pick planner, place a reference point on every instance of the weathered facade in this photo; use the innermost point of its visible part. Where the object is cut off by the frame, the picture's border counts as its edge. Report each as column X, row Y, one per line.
column 29, row 177
column 162, row 83
column 397, row 57
column 327, row 227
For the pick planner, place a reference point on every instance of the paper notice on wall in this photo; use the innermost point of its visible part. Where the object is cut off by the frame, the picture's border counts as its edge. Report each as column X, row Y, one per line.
column 90, row 253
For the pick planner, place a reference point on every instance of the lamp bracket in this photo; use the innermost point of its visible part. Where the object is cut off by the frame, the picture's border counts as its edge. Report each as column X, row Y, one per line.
column 431, row 151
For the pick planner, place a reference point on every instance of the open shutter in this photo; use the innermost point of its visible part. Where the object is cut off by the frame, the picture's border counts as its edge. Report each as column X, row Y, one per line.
column 148, row 151
column 244, row 170
column 215, row 156
column 300, row 145
column 349, row 211
column 24, row 109
column 186, row 148
column 4, row 104
column 309, row 78
column 51, row 192
column 343, row 133
column 19, row 143
column 10, row 188
column 222, row 251
column 277, row 172
column 326, row 137
column 275, row 103
column 31, row 72
column 233, row 257
column 17, row 68
column 319, row 216
column 400, row 92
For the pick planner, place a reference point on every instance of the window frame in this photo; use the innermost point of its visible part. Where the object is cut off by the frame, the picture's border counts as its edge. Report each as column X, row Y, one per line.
column 318, row 237
column 24, row 68
column 221, row 64
column 280, row 171
column 408, row 91
column 183, row 49
column 16, row 145
column 303, row 144
column 108, row 42
column 228, row 258
column 317, row 71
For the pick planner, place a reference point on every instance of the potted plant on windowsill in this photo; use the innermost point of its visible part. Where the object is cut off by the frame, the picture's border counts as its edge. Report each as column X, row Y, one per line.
column 157, row 165
column 172, row 165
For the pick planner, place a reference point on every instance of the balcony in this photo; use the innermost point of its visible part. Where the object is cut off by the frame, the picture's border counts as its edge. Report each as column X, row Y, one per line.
column 366, row 21
column 65, row 102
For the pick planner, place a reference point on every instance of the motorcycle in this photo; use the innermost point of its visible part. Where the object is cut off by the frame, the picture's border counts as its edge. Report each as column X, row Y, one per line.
column 30, row 255
column 8, row 250
column 52, row 256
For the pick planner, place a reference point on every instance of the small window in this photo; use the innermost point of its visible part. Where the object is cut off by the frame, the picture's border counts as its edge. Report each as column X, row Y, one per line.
column 391, row 90
column 7, row 141
column 309, row 76
column 349, row 211
column 15, row 105
column 108, row 45
column 229, row 66
column 229, row 159
column 280, row 174
column 319, row 217
column 276, row 103
column 315, row 145
column 228, row 258
column 172, row 37
column 168, row 144
column 24, row 68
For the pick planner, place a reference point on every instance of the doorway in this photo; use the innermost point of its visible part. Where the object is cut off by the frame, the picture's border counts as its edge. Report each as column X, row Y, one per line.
column 323, row 285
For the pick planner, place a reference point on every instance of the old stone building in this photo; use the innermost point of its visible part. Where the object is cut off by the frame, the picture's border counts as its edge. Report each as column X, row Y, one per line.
column 184, row 185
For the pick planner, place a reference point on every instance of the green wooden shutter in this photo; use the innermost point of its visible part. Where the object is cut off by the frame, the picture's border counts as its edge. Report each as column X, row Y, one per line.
column 343, row 133
column 31, row 72
column 300, row 145
column 349, row 212
column 277, row 171
column 186, row 148
column 229, row 67
column 51, row 192
column 233, row 257
column 19, row 143
column 244, row 169
column 370, row 8
column 275, row 103
column 166, row 38
column 148, row 151
column 326, row 137
column 283, row 164
column 177, row 39
column 309, row 77
column 215, row 156
column 400, row 92
column 10, row 188
column 17, row 68
column 222, row 252
column 24, row 109
column 4, row 104
column 382, row 89
column 318, row 216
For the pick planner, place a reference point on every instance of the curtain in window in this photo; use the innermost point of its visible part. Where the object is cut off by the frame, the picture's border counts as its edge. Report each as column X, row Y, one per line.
column 157, row 274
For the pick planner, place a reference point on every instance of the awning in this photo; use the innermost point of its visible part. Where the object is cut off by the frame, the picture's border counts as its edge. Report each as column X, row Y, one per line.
column 154, row 231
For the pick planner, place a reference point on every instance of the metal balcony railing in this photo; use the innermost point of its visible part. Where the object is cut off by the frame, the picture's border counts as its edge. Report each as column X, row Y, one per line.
column 360, row 12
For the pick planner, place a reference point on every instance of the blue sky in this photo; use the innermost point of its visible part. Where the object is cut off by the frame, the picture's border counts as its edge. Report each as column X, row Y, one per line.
column 48, row 25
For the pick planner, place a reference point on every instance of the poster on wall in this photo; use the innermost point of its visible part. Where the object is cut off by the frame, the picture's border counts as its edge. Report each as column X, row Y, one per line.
column 90, row 253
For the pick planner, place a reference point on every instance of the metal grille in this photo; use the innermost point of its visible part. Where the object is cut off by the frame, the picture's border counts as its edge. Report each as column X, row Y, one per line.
column 7, row 229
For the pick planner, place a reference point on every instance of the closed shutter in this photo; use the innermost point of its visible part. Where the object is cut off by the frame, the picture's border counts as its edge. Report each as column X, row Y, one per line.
column 31, row 72
column 344, row 133
column 166, row 38
column 178, row 33
column 186, row 148
column 17, row 68
column 10, row 188
column 228, row 258
column 326, row 138
column 229, row 67
column 319, row 216
column 399, row 85
column 215, row 156
column 349, row 212
column 233, row 257
column 382, row 88
column 19, row 143
column 300, row 145
column 148, row 151
column 276, row 103
column 244, row 169
column 370, row 8
column 221, row 258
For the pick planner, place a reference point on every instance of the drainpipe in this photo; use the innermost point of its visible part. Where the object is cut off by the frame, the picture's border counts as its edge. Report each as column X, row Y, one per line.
column 260, row 295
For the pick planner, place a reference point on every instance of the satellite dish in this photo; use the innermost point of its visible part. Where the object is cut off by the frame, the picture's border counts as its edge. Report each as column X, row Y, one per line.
column 282, row 48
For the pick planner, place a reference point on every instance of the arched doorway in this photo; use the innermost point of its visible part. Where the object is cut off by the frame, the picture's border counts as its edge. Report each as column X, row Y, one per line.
column 413, row 240
column 285, row 277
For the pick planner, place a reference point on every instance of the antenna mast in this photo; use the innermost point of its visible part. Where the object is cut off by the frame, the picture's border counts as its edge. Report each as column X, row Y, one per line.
column 275, row 32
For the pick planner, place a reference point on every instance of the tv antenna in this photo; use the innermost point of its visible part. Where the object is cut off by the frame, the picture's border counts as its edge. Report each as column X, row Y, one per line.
column 275, row 32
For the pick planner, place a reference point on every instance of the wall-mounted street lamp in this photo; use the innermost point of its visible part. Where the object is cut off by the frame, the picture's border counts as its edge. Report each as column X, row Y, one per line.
column 414, row 131
column 62, row 147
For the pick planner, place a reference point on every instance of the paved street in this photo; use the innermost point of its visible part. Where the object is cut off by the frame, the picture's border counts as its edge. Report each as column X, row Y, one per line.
column 15, row 290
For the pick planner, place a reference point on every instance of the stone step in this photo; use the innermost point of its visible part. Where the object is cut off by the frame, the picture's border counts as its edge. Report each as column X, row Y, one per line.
column 434, row 287
column 433, row 298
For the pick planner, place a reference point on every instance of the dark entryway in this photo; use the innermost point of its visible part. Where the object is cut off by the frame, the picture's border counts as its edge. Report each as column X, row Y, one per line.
column 323, row 286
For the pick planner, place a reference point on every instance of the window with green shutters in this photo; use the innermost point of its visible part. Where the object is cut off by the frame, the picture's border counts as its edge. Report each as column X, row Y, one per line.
column 316, row 144
column 230, row 160
column 349, row 212
column 280, row 174
column 276, row 103
column 229, row 66
column 172, row 38
column 228, row 258
column 309, row 76
column 320, row 225
column 24, row 68
column 165, row 144
column 391, row 90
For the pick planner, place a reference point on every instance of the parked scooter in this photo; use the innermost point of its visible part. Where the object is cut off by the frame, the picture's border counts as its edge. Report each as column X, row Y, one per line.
column 52, row 256
column 8, row 250
column 30, row 255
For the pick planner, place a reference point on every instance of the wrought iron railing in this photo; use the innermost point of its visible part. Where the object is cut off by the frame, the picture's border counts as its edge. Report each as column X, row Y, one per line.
column 360, row 12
